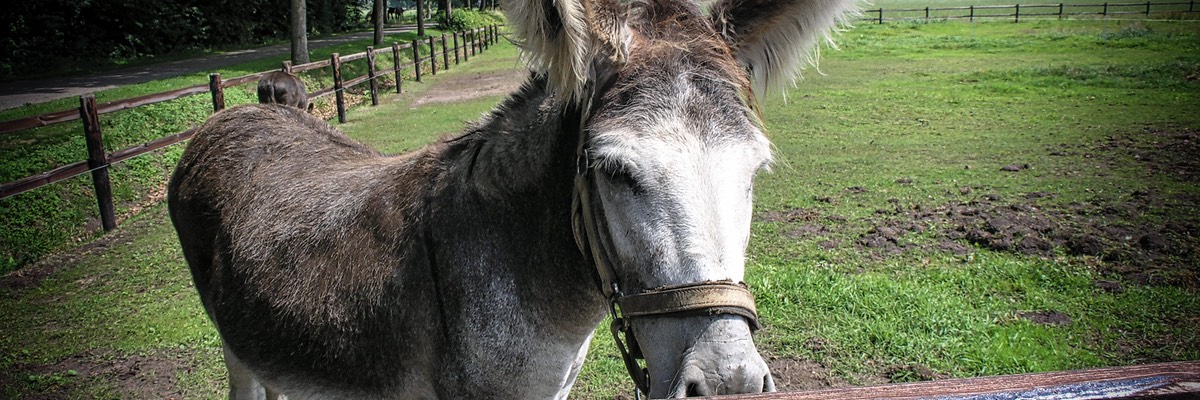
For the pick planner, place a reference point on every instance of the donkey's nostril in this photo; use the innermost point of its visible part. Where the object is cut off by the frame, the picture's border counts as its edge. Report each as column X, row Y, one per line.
column 768, row 384
column 696, row 389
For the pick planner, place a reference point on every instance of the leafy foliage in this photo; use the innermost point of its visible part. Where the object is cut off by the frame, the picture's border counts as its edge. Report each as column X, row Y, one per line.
column 56, row 35
column 464, row 19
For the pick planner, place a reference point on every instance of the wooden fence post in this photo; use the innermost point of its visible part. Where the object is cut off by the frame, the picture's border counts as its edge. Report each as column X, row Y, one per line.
column 396, row 64
column 432, row 57
column 474, row 41
column 416, row 45
column 465, row 44
column 972, row 13
column 97, row 161
column 336, row 62
column 926, row 13
column 445, row 54
column 371, row 75
column 455, row 36
column 881, row 15
column 1017, row 15
column 1147, row 9
column 218, row 92
column 1060, row 11
column 1104, row 11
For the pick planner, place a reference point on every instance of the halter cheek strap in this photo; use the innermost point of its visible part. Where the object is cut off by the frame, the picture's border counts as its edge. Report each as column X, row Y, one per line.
column 701, row 298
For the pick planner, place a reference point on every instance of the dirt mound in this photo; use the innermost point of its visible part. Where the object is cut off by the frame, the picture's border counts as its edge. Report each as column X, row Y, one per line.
column 1114, row 233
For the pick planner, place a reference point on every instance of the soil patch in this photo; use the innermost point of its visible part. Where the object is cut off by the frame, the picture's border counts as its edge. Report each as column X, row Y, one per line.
column 1045, row 317
column 1112, row 234
column 793, row 374
column 472, row 86
column 1143, row 236
column 150, row 376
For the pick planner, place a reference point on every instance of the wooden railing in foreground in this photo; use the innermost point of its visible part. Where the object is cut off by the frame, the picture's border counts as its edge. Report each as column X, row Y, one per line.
column 89, row 112
column 1177, row 380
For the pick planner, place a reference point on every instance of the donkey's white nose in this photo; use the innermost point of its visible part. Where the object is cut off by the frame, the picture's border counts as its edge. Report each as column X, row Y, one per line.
column 749, row 375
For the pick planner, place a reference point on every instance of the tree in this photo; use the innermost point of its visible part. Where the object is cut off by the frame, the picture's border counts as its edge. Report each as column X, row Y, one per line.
column 299, row 32
column 380, row 13
column 446, row 8
column 420, row 18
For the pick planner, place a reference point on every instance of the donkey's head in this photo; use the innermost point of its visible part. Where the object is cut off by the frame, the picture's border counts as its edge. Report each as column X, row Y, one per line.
column 670, row 145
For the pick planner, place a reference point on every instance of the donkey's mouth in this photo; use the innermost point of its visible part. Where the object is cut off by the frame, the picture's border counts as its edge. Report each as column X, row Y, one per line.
column 702, row 356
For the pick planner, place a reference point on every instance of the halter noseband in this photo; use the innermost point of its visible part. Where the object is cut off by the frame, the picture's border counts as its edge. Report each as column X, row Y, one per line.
column 700, row 298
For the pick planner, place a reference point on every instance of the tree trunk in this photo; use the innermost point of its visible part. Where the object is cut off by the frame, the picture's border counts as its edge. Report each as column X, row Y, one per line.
column 446, row 6
column 299, row 32
column 420, row 18
column 380, row 16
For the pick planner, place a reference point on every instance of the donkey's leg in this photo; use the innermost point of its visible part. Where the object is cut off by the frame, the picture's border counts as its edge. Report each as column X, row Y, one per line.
column 242, row 384
column 272, row 394
column 569, row 380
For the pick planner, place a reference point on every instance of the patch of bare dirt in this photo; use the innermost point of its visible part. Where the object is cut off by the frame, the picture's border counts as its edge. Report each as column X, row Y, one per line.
column 1045, row 317
column 793, row 374
column 1143, row 236
column 133, row 376
column 472, row 86
column 911, row 373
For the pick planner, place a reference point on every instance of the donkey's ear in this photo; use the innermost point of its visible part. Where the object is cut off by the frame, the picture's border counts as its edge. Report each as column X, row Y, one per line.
column 560, row 38
column 774, row 39
column 552, row 35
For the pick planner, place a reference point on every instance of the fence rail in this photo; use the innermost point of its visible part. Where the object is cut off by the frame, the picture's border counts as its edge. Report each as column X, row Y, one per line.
column 89, row 112
column 1177, row 380
column 1017, row 11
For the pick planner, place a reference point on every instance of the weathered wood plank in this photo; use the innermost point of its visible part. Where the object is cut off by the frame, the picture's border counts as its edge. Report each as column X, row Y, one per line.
column 35, row 181
column 17, row 125
column 1178, row 380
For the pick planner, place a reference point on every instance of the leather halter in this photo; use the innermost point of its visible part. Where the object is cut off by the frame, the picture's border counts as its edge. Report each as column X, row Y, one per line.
column 700, row 298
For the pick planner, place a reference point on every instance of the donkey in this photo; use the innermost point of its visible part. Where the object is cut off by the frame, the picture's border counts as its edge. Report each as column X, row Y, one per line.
column 617, row 179
column 283, row 88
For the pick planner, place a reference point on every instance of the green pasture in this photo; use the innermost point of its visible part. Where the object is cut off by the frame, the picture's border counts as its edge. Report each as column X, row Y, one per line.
column 888, row 244
column 65, row 214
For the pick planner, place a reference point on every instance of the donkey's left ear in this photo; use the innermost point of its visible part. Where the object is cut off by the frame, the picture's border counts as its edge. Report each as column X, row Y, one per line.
column 774, row 39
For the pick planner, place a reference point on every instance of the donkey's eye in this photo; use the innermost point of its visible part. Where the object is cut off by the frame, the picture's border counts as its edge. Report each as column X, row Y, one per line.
column 622, row 177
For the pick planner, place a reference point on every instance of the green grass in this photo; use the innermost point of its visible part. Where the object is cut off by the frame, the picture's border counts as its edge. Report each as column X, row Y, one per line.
column 1078, row 9
column 56, row 216
column 913, row 117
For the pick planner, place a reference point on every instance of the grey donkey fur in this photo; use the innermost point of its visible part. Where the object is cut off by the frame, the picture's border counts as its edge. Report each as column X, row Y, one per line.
column 333, row 271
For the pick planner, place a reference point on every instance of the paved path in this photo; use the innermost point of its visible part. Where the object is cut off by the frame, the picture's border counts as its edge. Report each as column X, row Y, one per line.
column 18, row 93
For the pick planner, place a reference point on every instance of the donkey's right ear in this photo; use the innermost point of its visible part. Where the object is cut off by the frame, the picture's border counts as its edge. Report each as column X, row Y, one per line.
column 554, row 41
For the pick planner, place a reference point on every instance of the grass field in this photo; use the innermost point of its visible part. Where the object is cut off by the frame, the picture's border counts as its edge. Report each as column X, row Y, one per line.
column 950, row 200
column 64, row 214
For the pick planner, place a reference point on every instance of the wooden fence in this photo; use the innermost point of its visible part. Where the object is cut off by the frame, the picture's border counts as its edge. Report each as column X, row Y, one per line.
column 89, row 112
column 1177, row 380
column 1017, row 11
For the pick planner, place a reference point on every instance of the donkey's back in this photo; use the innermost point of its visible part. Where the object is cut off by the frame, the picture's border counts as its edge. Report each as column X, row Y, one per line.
column 305, row 247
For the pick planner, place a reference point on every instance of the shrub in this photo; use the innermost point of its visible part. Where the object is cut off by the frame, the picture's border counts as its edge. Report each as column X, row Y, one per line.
column 464, row 19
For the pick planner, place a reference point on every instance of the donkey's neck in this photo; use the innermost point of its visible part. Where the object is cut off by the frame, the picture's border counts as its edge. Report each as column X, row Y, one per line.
column 514, row 283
